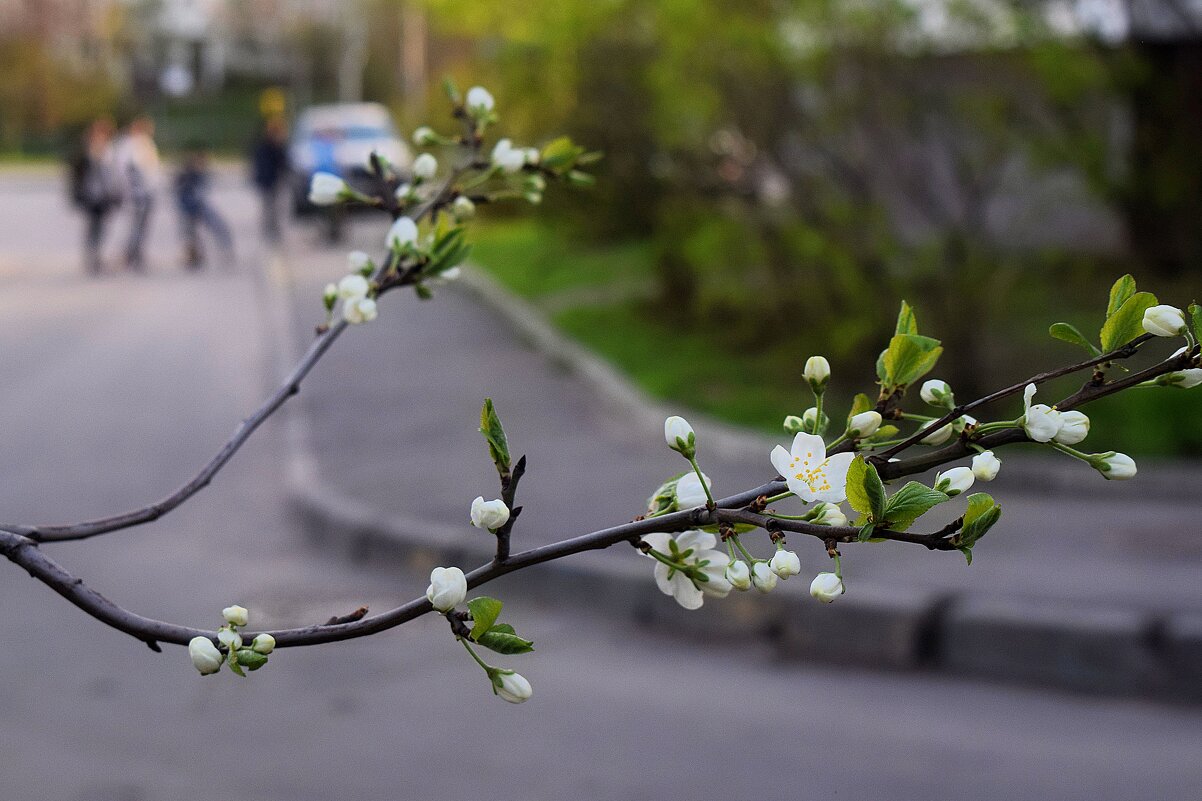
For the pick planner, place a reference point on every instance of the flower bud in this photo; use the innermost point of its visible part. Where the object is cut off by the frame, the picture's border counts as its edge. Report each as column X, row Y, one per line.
column 985, row 466
column 762, row 577
column 1182, row 379
column 425, row 136
column 1074, row 427
column 229, row 638
column 1114, row 466
column 817, row 372
column 325, row 189
column 263, row 644
column 357, row 260
column 448, row 588
column 739, row 575
column 479, row 101
column 353, row 287
column 507, row 157
column 463, row 209
column 826, row 587
column 1164, row 321
column 1041, row 422
column 511, row 686
column 794, row 424
column 689, row 492
column 532, row 157
column 235, row 615
column 827, row 514
column 864, row 424
column 329, row 296
column 954, row 481
column 937, row 393
column 425, row 167
column 489, row 515
column 810, row 423
column 938, row 436
column 205, row 656
column 359, row 310
column 785, row 563
column 404, row 193
column 402, row 233
column 680, row 437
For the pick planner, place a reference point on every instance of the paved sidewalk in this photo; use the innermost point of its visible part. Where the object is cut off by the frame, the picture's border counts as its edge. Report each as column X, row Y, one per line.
column 1066, row 589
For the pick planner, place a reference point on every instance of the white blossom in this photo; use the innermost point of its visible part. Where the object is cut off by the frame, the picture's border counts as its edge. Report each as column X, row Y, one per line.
column 325, row 189
column 1041, row 422
column 1182, row 379
column 263, row 644
column 937, row 393
column 229, row 638
column 954, row 481
column 357, row 260
column 938, row 436
column 507, row 157
column 679, row 435
column 425, row 166
column 1114, row 466
column 739, row 575
column 448, row 588
column 1164, row 321
column 463, row 208
column 353, row 287
column 479, row 100
column 359, row 310
column 864, row 424
column 235, row 615
column 704, row 569
column 827, row 514
column 490, row 515
column 512, row 687
column 794, row 424
column 532, row 156
column 403, row 232
column 985, row 466
column 424, row 136
column 809, row 473
column 785, row 563
column 826, row 587
column 817, row 372
column 205, row 656
column 1074, row 427
column 762, row 577
column 689, row 493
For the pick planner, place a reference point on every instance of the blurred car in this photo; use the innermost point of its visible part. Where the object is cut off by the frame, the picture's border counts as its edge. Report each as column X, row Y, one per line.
column 339, row 138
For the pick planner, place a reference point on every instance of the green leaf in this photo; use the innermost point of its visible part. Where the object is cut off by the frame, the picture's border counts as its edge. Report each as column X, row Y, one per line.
column 502, row 640
column 1070, row 334
column 1127, row 322
column 908, row 358
column 498, row 446
column 907, row 323
column 251, row 660
column 484, row 611
column 232, row 661
column 911, row 502
column 883, row 433
column 860, row 404
column 980, row 516
column 1122, row 290
column 1196, row 312
column 865, row 532
column 560, row 154
column 451, row 90
column 865, row 492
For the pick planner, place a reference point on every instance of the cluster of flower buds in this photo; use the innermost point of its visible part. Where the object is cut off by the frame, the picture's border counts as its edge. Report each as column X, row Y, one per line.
column 208, row 657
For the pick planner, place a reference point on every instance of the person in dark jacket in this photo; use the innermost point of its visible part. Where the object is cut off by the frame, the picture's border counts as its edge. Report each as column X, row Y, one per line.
column 95, row 187
column 196, row 212
column 269, row 170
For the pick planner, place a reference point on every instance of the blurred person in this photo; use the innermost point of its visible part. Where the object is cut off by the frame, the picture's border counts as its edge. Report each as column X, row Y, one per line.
column 269, row 168
column 95, row 188
column 141, row 171
column 196, row 212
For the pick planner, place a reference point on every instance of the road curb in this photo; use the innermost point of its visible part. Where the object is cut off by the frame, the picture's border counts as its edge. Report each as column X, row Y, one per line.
column 1114, row 652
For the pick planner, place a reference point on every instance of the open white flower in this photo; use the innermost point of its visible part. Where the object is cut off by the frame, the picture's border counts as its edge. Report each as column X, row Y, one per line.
column 359, row 311
column 205, row 656
column 826, row 587
column 403, row 232
column 809, row 473
column 479, row 100
column 985, row 466
column 490, row 515
column 1040, row 421
column 509, row 158
column 425, row 166
column 325, row 189
column 689, row 492
column 702, row 569
column 448, row 588
column 1074, row 427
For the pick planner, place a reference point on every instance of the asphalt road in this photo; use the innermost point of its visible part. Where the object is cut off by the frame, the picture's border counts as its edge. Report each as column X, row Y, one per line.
column 116, row 390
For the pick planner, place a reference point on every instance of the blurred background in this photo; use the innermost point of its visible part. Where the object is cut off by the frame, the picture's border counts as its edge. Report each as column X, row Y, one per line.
column 778, row 174
column 768, row 164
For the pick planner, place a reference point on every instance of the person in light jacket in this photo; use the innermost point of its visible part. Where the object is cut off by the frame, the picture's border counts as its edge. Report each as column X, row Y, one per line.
column 141, row 171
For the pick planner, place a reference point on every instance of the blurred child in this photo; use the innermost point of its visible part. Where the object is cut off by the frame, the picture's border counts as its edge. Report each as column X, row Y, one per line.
column 196, row 212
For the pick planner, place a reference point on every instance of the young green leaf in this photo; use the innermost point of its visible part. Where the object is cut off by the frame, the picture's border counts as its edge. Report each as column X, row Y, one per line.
column 503, row 640
column 251, row 660
column 909, row 357
column 909, row 503
column 1195, row 312
column 1070, row 334
column 907, row 323
column 980, row 516
column 484, row 611
column 498, row 446
column 865, row 532
column 1127, row 322
column 865, row 492
column 1122, row 290
column 860, row 404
